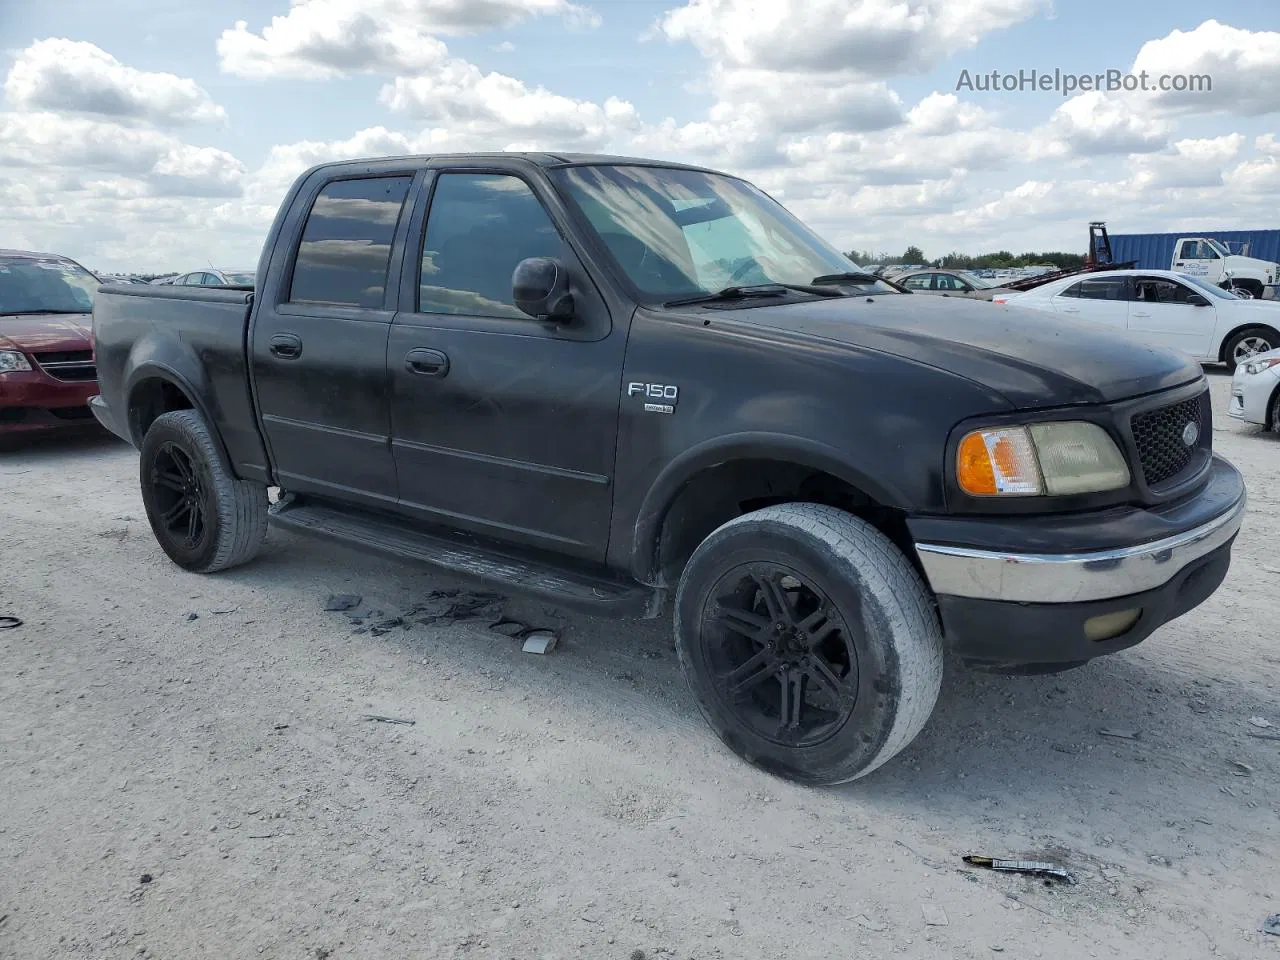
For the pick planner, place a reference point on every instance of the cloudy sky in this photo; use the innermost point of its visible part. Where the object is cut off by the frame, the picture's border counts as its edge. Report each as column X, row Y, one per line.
column 160, row 134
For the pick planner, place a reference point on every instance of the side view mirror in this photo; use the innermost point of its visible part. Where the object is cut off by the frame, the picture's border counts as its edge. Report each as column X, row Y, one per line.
column 1196, row 300
column 540, row 288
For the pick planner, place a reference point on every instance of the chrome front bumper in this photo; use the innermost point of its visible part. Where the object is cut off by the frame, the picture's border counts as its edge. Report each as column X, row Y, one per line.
column 1073, row 577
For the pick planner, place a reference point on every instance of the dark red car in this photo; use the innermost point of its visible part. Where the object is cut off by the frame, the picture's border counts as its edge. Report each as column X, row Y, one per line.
column 47, row 372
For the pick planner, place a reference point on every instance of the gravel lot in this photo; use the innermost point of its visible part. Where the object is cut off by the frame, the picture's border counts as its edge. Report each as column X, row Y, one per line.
column 181, row 788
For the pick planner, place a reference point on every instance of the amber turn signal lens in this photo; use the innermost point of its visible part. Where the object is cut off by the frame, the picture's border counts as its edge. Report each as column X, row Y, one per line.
column 998, row 462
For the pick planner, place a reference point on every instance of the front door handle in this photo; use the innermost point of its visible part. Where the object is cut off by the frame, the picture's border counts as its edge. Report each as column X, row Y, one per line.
column 1070, row 309
column 1139, row 314
column 285, row 346
column 427, row 363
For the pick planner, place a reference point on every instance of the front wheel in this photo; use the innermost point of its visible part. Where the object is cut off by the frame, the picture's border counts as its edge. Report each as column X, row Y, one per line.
column 1247, row 344
column 809, row 642
column 202, row 516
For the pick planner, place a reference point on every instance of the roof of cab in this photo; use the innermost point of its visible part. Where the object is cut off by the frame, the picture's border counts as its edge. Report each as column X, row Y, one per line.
column 30, row 255
column 548, row 160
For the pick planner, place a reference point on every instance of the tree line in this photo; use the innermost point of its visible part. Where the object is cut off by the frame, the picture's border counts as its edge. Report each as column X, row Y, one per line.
column 962, row 261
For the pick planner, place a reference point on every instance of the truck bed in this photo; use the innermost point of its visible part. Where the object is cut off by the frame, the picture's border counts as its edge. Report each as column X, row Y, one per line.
column 137, row 325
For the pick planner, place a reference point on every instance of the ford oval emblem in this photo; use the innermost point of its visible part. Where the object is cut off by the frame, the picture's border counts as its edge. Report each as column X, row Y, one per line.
column 1190, row 434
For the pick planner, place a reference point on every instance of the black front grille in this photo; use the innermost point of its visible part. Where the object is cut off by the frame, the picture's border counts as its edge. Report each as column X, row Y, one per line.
column 1160, row 436
column 71, row 365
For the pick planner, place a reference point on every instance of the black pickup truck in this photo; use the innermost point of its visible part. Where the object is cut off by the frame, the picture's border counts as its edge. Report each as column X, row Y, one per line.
column 605, row 381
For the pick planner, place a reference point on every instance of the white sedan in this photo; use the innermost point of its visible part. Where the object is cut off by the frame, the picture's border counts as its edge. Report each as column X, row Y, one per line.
column 1255, row 391
column 1164, row 308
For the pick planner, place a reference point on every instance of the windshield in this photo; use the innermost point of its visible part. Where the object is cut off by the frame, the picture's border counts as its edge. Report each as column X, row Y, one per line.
column 45, row 286
column 977, row 282
column 682, row 233
column 1208, row 288
column 1222, row 250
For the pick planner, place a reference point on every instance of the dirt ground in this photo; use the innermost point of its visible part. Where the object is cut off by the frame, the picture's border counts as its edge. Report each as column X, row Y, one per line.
column 179, row 787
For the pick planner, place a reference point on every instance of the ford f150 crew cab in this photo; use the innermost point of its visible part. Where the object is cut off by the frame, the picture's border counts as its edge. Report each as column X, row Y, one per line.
column 613, row 382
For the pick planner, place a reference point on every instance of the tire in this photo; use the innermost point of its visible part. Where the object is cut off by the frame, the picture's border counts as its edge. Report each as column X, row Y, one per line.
column 866, row 688
column 203, row 517
column 1273, row 414
column 1257, row 340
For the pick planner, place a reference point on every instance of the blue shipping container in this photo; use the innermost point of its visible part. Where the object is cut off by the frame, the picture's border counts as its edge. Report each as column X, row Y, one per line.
column 1154, row 251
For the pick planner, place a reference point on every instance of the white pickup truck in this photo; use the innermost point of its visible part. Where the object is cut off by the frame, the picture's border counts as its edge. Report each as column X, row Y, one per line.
column 1211, row 260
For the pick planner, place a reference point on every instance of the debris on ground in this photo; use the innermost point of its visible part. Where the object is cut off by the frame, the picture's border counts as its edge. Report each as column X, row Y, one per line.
column 867, row 923
column 145, row 878
column 9, row 623
column 1261, row 722
column 934, row 915
column 193, row 616
column 1271, row 925
column 449, row 605
column 380, row 719
column 339, row 602
column 1119, row 734
column 1264, row 736
column 1240, row 768
column 540, row 641
column 1035, row 868
column 386, row 625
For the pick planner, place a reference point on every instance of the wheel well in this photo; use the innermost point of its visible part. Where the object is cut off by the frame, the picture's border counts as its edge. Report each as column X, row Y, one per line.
column 718, row 494
column 152, row 398
column 1226, row 341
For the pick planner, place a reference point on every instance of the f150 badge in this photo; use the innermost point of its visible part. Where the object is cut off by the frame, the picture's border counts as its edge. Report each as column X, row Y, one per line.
column 659, row 397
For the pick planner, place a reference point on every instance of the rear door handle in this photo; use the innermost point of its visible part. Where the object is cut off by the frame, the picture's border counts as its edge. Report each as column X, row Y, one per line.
column 427, row 363
column 1139, row 314
column 1070, row 309
column 285, row 346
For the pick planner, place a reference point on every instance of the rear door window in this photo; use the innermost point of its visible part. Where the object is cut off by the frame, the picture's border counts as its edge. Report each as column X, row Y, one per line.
column 1111, row 288
column 346, row 245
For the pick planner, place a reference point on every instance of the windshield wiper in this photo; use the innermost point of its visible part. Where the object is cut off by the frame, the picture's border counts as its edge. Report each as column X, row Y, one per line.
column 857, row 278
column 756, row 290
column 33, row 313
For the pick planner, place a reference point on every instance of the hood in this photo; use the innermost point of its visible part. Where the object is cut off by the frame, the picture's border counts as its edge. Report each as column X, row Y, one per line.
column 1266, row 311
column 1237, row 262
column 1034, row 359
column 42, row 332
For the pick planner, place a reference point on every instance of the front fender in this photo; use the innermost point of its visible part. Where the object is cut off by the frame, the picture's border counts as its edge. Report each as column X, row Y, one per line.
column 753, row 445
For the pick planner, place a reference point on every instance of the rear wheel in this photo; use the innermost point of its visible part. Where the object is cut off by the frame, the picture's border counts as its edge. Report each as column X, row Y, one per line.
column 203, row 517
column 1248, row 343
column 809, row 642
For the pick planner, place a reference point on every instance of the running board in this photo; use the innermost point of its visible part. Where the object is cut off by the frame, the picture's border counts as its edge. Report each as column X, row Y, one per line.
column 586, row 591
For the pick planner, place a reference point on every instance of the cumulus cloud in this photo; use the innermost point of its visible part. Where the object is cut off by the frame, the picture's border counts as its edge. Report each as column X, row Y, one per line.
column 875, row 37
column 188, row 171
column 494, row 107
column 1092, row 124
column 1244, row 66
column 73, row 76
column 1191, row 163
column 159, row 162
column 318, row 39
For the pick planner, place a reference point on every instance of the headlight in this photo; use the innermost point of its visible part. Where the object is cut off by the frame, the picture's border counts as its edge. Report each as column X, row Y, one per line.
column 1257, row 366
column 11, row 362
column 1058, row 459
